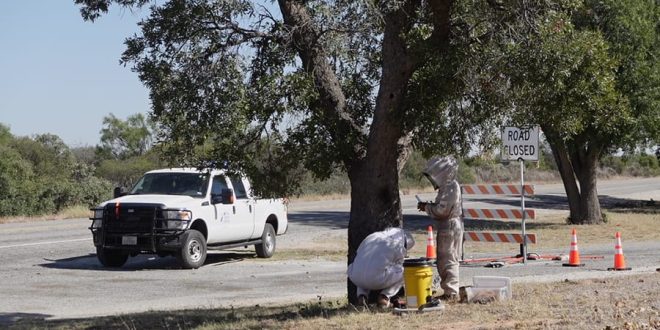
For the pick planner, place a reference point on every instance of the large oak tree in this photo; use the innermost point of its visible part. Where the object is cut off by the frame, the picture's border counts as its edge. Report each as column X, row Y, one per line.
column 274, row 87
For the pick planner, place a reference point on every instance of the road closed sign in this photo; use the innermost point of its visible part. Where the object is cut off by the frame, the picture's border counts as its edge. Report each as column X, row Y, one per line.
column 520, row 143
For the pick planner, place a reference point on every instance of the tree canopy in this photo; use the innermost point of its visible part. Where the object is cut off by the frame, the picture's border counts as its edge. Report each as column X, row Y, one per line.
column 125, row 152
column 40, row 175
column 268, row 88
column 123, row 139
column 588, row 75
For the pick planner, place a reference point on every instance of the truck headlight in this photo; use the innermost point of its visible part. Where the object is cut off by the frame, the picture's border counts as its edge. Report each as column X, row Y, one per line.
column 96, row 214
column 177, row 219
column 178, row 215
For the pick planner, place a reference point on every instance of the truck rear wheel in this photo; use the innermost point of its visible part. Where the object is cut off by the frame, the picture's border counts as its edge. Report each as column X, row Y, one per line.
column 193, row 250
column 267, row 246
column 111, row 258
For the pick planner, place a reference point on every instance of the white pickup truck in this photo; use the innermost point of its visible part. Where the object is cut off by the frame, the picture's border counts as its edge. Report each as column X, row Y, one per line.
column 185, row 212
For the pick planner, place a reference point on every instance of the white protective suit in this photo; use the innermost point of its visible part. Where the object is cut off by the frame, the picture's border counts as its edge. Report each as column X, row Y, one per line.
column 447, row 211
column 378, row 263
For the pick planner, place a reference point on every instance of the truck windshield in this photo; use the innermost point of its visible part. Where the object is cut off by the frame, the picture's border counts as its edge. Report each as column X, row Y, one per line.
column 188, row 184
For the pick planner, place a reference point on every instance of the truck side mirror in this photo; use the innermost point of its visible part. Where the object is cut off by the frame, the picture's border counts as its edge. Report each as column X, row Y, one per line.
column 118, row 192
column 227, row 196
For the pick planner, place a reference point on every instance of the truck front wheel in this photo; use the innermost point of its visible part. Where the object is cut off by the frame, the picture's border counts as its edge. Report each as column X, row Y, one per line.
column 193, row 250
column 267, row 246
column 111, row 258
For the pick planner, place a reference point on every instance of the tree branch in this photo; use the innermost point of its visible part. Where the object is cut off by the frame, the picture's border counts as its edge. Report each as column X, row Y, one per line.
column 440, row 10
column 332, row 101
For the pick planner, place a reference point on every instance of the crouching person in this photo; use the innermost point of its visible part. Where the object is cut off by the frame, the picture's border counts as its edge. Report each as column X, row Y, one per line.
column 378, row 265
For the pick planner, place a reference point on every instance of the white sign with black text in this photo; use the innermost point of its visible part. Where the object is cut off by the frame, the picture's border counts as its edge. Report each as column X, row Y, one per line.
column 520, row 143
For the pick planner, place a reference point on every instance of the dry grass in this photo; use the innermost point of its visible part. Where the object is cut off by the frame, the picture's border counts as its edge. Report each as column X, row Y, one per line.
column 334, row 254
column 553, row 232
column 73, row 212
column 628, row 302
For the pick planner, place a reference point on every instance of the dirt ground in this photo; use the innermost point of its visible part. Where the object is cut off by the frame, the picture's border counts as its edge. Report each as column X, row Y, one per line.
column 627, row 302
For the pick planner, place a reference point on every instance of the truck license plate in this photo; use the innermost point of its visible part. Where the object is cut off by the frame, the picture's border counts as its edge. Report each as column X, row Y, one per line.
column 129, row 240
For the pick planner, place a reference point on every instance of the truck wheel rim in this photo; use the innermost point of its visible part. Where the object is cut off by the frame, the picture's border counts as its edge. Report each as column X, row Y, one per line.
column 269, row 242
column 195, row 250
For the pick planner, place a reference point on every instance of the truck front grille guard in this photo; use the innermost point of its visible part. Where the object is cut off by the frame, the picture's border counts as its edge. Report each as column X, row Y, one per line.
column 157, row 225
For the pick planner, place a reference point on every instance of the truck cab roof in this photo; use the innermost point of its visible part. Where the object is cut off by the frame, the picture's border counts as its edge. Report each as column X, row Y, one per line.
column 188, row 170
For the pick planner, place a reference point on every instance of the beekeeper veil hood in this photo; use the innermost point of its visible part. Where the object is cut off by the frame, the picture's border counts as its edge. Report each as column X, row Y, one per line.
column 410, row 241
column 440, row 170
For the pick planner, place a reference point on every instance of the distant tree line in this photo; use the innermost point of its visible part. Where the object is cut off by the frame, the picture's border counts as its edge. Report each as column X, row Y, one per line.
column 42, row 175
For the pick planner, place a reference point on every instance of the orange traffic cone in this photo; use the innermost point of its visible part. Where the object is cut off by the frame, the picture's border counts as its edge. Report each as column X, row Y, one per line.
column 619, row 260
column 430, row 244
column 574, row 255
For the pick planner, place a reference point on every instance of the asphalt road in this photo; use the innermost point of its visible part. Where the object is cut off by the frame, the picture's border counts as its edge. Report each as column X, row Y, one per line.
column 49, row 269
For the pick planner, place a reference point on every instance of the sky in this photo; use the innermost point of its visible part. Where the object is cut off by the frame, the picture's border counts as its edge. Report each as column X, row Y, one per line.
column 60, row 74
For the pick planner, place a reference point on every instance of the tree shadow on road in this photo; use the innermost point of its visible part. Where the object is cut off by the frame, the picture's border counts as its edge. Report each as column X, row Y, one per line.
column 328, row 219
column 339, row 220
column 144, row 262
column 417, row 222
column 555, row 202
column 7, row 319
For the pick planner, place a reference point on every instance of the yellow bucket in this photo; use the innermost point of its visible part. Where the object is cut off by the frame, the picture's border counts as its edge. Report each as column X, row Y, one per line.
column 417, row 278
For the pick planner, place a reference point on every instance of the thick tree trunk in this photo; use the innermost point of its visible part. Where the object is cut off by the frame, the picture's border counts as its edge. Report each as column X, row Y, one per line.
column 586, row 173
column 375, row 201
column 373, row 167
column 565, row 168
column 579, row 164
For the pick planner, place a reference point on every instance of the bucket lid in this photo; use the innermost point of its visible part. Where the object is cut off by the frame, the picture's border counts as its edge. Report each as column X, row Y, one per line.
column 417, row 262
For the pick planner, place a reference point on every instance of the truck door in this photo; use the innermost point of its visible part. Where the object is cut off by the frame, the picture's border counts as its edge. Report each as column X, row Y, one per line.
column 244, row 216
column 224, row 226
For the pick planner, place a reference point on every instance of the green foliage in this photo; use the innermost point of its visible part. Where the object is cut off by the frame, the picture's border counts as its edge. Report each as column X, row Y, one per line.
column 649, row 161
column 632, row 165
column 5, row 134
column 630, row 28
column 589, row 74
column 125, row 153
column 546, row 159
column 615, row 163
column 411, row 175
column 466, row 174
column 337, row 183
column 41, row 176
column 88, row 189
column 126, row 172
column 231, row 83
column 16, row 183
column 123, row 139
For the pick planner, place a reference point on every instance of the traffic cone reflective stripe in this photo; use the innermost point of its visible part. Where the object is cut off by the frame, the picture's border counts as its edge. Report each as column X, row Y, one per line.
column 574, row 255
column 430, row 244
column 619, row 260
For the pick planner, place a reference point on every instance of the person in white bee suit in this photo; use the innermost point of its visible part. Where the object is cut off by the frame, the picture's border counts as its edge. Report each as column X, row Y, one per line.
column 378, row 264
column 446, row 210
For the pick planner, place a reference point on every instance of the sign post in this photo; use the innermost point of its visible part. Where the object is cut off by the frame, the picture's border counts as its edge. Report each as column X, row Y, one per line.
column 521, row 143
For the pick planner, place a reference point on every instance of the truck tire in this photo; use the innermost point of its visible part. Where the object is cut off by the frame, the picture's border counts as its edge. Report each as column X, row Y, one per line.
column 193, row 250
column 111, row 258
column 267, row 246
